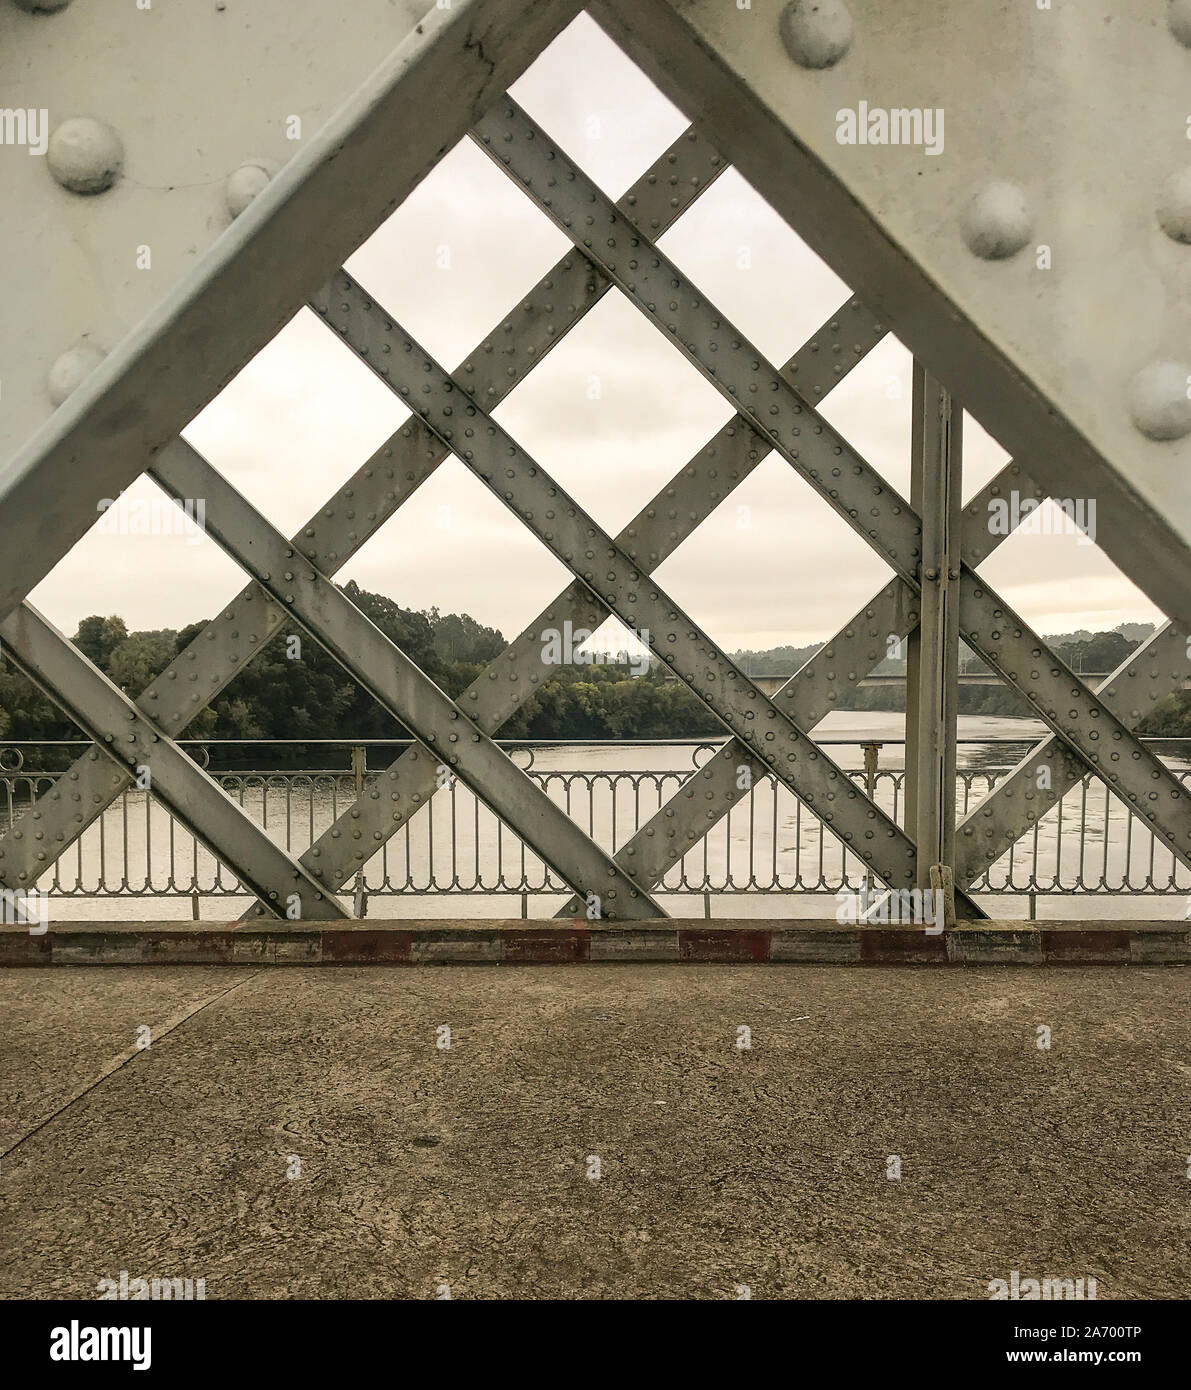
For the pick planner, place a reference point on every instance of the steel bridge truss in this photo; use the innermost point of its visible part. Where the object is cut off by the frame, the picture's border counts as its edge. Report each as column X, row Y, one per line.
column 934, row 549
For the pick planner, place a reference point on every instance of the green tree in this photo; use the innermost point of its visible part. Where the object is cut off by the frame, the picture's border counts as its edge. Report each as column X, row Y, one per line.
column 135, row 662
column 98, row 637
column 459, row 638
column 27, row 712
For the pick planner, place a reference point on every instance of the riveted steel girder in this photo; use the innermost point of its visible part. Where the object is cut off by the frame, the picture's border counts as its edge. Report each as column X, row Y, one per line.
column 519, row 482
column 776, row 410
column 1079, row 717
column 653, row 283
column 206, row 99
column 656, row 532
column 318, row 210
column 131, row 740
column 455, row 743
column 1044, row 776
column 725, row 357
column 564, row 295
column 833, row 672
column 1080, row 367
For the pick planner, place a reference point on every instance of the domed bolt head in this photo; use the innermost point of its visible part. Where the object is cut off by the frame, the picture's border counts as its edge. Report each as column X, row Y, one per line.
column 85, row 155
column 997, row 222
column 72, row 368
column 816, row 33
column 244, row 183
column 1159, row 401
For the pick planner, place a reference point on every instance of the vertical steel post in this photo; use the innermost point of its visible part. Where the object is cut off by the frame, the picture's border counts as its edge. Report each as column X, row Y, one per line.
column 932, row 658
column 872, row 752
column 359, row 772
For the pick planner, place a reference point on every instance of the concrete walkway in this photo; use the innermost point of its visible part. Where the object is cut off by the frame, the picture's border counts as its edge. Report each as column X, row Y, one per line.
column 422, row 1166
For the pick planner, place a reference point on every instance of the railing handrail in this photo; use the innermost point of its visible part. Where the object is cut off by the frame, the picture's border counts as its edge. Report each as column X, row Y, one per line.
column 710, row 740
column 457, row 846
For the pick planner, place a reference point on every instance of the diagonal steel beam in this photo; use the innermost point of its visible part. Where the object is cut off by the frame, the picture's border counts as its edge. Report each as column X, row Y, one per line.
column 335, row 191
column 654, row 533
column 894, row 245
column 1149, row 675
column 453, row 742
column 563, row 296
column 519, row 482
column 1050, row 770
column 718, row 350
column 127, row 737
column 1082, row 720
column 725, row 357
column 833, row 672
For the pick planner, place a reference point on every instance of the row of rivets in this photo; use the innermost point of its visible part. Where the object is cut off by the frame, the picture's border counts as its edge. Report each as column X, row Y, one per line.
column 998, row 222
column 1157, row 396
column 85, row 155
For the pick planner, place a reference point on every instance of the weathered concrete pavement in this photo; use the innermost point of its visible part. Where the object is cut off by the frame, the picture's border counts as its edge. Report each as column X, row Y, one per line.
column 719, row 1167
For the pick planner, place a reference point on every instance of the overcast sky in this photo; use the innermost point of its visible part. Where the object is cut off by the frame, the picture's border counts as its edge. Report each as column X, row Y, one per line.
column 304, row 414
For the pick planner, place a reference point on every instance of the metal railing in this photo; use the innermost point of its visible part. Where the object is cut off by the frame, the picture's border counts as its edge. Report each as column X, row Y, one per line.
column 767, row 843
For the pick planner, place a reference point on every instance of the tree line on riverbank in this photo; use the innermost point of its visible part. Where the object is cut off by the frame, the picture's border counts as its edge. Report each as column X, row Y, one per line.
column 296, row 692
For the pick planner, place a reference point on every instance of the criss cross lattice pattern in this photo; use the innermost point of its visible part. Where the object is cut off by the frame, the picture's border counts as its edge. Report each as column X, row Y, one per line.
column 614, row 250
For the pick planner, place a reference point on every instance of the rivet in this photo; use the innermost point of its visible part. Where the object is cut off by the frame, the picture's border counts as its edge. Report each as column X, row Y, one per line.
column 244, row 183
column 997, row 222
column 71, row 368
column 816, row 33
column 85, row 155
column 1158, row 400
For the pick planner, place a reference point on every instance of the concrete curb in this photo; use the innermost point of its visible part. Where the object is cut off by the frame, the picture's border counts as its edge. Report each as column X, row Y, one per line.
column 485, row 942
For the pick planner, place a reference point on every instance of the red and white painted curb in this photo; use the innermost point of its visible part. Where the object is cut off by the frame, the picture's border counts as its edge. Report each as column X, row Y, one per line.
column 482, row 942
